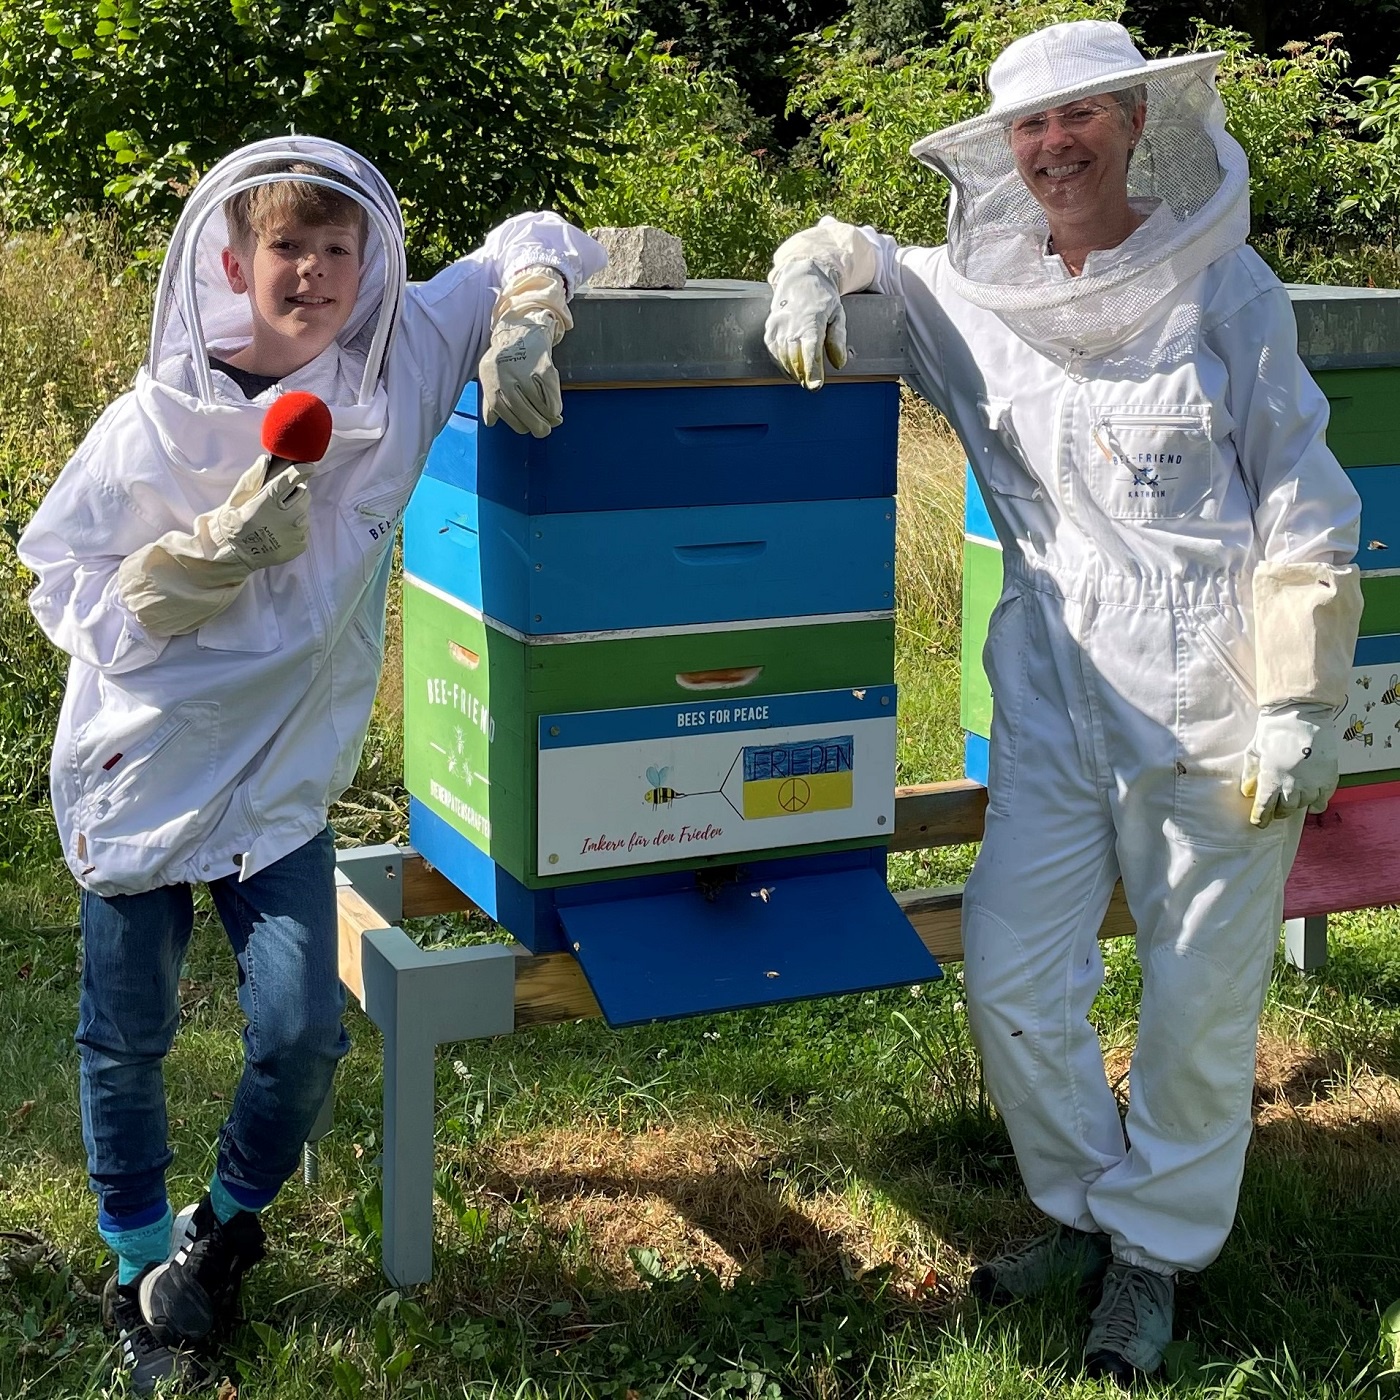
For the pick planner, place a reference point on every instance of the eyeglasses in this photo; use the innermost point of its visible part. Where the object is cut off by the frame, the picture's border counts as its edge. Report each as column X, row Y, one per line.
column 1077, row 117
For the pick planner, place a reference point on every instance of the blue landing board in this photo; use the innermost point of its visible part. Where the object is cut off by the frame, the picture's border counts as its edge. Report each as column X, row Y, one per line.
column 532, row 916
column 614, row 570
column 637, row 449
column 751, row 943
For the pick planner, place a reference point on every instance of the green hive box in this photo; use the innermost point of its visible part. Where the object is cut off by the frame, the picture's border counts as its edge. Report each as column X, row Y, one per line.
column 473, row 698
column 1349, row 338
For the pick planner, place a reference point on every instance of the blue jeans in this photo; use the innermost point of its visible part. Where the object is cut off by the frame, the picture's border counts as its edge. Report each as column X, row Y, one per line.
column 281, row 924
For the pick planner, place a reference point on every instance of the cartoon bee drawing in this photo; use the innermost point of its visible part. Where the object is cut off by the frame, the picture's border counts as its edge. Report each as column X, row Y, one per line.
column 659, row 793
column 1392, row 696
column 1357, row 730
column 1364, row 682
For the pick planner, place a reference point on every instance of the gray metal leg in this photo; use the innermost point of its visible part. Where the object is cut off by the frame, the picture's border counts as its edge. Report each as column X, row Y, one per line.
column 1305, row 942
column 419, row 1000
column 377, row 875
column 409, row 1057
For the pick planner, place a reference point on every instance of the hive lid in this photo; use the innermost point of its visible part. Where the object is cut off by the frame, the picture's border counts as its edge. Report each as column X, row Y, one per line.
column 709, row 330
column 745, row 943
column 1347, row 327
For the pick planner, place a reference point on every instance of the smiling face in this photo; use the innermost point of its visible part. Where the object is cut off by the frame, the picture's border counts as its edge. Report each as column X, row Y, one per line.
column 301, row 281
column 1074, row 158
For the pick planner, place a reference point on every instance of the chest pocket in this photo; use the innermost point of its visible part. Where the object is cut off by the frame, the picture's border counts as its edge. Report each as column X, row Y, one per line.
column 1154, row 463
column 373, row 520
column 1003, row 458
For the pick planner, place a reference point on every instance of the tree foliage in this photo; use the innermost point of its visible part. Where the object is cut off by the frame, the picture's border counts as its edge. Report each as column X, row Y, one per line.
column 683, row 161
column 473, row 110
column 1324, row 152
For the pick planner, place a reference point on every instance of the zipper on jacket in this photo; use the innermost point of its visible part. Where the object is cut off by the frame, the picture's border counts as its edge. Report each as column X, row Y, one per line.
column 1227, row 661
column 105, row 795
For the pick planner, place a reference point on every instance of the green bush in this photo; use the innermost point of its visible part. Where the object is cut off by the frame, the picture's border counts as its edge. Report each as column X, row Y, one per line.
column 681, row 161
column 72, row 330
column 472, row 110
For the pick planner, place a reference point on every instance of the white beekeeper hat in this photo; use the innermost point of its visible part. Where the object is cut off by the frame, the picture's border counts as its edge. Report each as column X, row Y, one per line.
column 1185, row 165
column 1057, row 64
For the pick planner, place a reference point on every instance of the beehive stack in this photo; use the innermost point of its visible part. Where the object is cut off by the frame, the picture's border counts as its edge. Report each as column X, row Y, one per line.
column 649, row 660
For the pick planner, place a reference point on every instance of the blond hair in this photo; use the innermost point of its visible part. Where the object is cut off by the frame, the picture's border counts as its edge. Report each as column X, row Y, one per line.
column 255, row 212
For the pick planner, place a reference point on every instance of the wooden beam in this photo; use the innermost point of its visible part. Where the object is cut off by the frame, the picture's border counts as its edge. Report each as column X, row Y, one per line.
column 932, row 814
column 938, row 814
column 355, row 917
column 426, row 892
column 551, row 987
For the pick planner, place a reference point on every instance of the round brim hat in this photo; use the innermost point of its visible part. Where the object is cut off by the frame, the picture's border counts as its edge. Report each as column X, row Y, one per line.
column 1058, row 64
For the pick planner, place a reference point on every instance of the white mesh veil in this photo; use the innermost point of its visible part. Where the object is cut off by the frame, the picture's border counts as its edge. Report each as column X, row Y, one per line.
column 196, row 311
column 1187, row 170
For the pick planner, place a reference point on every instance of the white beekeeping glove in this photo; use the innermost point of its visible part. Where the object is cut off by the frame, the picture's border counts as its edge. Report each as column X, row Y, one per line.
column 519, row 383
column 185, row 578
column 811, row 272
column 1291, row 763
column 1306, row 618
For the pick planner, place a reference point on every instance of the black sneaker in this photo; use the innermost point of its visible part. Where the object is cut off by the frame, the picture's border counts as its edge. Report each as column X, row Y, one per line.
column 197, row 1288
column 1060, row 1255
column 142, row 1352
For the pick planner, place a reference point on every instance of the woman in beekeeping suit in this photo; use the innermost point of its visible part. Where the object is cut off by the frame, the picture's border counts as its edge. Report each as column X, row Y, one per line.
column 1175, row 631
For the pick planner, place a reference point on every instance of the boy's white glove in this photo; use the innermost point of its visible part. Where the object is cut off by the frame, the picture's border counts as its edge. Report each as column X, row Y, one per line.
column 177, row 584
column 811, row 272
column 1291, row 763
column 265, row 528
column 519, row 383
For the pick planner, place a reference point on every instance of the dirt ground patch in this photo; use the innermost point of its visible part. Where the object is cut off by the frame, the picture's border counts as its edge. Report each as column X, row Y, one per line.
column 703, row 1196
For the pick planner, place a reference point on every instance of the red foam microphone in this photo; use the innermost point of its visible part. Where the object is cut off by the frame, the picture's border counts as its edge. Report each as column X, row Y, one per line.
column 297, row 428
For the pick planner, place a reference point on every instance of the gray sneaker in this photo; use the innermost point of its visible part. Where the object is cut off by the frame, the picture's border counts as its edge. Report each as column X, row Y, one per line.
column 1131, row 1326
column 1061, row 1255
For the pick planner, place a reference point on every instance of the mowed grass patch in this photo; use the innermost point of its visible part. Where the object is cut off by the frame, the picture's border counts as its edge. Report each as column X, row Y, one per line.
column 775, row 1202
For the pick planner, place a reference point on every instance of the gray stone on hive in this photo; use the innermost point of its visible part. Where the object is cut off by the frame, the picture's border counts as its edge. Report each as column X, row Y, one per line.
column 640, row 256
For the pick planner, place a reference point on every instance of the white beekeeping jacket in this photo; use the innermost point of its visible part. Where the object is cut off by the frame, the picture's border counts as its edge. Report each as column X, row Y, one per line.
column 187, row 758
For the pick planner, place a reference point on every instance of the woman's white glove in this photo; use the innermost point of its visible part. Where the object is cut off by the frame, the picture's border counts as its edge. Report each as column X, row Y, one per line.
column 806, row 320
column 812, row 271
column 185, row 578
column 1291, row 763
column 519, row 383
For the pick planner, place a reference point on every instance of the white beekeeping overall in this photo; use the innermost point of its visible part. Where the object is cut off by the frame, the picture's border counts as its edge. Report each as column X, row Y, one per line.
column 1151, row 452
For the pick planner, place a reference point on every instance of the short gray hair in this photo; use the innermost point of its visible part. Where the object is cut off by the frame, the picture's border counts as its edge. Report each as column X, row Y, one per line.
column 1129, row 100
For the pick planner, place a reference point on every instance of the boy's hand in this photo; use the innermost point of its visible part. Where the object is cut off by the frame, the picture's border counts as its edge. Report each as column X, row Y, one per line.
column 519, row 383
column 267, row 526
column 518, row 380
column 185, row 578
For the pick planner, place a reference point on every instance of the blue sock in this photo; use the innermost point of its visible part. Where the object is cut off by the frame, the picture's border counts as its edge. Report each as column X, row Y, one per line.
column 135, row 1248
column 226, row 1204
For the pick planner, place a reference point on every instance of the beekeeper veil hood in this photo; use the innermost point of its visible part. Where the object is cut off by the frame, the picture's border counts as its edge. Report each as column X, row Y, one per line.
column 1187, row 175
column 197, row 313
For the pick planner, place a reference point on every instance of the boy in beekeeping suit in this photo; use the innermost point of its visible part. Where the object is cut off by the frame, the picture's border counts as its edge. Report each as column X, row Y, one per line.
column 225, row 618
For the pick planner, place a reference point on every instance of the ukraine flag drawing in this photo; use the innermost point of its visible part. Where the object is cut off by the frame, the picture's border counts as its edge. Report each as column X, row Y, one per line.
column 809, row 775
